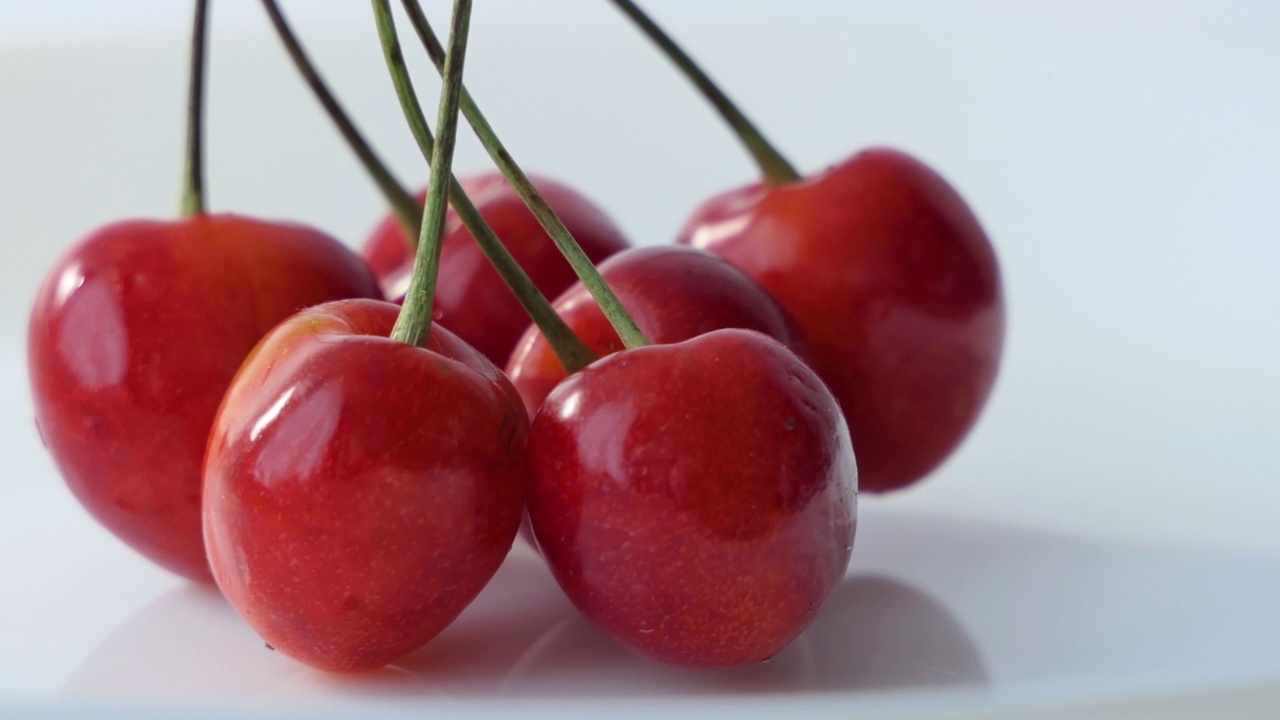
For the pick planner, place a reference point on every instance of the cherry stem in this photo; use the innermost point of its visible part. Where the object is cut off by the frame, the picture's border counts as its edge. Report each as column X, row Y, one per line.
column 414, row 322
column 402, row 202
column 617, row 315
column 193, row 173
column 775, row 168
column 569, row 348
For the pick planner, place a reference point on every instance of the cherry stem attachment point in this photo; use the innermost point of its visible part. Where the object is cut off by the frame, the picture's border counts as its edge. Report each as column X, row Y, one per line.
column 193, row 174
column 569, row 348
column 617, row 315
column 775, row 168
column 413, row 325
column 402, row 202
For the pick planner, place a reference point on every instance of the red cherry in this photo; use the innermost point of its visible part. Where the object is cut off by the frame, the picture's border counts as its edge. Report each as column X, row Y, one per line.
column 359, row 492
column 135, row 335
column 695, row 500
column 471, row 299
column 673, row 293
column 896, row 288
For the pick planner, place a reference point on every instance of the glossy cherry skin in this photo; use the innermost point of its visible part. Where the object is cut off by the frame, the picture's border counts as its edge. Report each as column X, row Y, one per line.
column 673, row 294
column 360, row 492
column 134, row 337
column 896, row 289
column 471, row 299
column 695, row 500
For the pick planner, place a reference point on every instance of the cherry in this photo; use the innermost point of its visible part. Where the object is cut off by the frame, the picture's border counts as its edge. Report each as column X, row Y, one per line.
column 471, row 298
column 134, row 337
column 896, row 289
column 695, row 500
column 138, row 329
column 891, row 278
column 359, row 491
column 366, row 472
column 673, row 293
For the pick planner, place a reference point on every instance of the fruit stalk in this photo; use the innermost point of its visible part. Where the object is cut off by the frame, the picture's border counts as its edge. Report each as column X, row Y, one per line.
column 775, row 168
column 622, row 322
column 414, row 322
column 402, row 202
column 569, row 348
column 192, row 203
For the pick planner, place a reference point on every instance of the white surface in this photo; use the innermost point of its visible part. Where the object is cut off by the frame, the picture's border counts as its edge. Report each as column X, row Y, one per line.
column 936, row 615
column 1122, row 155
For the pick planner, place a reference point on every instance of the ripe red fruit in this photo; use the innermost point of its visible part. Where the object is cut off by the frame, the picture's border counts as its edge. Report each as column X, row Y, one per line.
column 359, row 492
column 896, row 289
column 673, row 294
column 134, row 337
column 695, row 500
column 471, row 299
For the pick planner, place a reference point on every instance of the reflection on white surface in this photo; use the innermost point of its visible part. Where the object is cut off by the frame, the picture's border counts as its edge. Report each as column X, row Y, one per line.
column 522, row 638
column 878, row 633
column 874, row 634
column 1051, row 611
column 996, row 614
column 186, row 644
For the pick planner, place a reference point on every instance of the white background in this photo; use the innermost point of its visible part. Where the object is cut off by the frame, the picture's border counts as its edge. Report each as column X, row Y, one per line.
column 1123, row 156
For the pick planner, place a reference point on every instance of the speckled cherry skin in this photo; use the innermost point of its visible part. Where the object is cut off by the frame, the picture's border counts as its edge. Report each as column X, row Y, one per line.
column 695, row 500
column 673, row 293
column 136, row 333
column 896, row 289
column 360, row 492
column 471, row 299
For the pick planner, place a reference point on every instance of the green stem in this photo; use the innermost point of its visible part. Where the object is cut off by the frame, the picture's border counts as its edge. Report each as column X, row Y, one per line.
column 413, row 325
column 193, row 173
column 402, row 202
column 774, row 167
column 569, row 348
column 622, row 322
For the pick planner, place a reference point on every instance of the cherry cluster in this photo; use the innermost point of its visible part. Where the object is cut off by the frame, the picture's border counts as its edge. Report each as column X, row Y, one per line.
column 348, row 444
